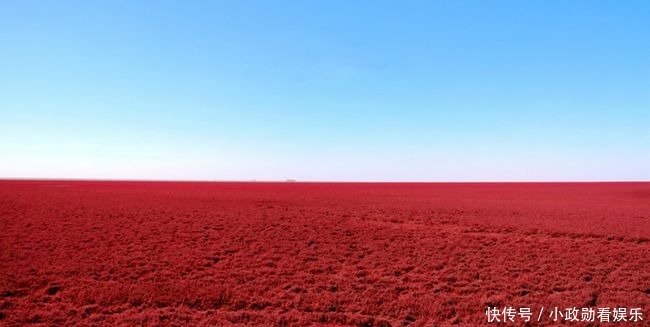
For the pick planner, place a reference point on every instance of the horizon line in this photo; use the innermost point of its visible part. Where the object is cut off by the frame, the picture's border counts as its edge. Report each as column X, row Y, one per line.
column 290, row 181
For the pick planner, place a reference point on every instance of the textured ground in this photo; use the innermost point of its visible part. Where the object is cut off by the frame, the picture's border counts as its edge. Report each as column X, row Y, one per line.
column 285, row 254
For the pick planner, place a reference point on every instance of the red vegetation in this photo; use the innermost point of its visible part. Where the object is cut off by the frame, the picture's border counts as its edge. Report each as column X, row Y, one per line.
column 304, row 254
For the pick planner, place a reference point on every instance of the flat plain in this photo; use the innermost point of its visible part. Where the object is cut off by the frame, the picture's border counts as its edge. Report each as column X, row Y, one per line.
column 94, row 253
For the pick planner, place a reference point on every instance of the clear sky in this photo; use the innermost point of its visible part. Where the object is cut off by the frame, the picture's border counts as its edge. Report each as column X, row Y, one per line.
column 329, row 90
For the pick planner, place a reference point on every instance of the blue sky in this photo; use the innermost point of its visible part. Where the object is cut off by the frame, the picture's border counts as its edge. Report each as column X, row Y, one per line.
column 331, row 90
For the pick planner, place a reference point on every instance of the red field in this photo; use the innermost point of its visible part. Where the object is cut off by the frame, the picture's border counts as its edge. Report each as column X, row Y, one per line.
column 304, row 254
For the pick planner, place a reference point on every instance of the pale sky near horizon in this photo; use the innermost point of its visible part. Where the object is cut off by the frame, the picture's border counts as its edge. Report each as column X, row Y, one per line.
column 331, row 90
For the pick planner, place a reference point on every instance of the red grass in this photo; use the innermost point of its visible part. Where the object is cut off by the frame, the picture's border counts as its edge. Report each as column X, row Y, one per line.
column 145, row 253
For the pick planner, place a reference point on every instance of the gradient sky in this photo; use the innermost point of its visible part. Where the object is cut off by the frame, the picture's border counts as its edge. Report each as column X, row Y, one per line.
column 335, row 90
